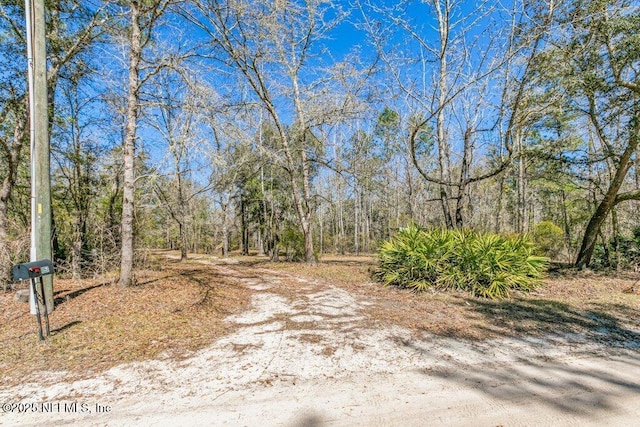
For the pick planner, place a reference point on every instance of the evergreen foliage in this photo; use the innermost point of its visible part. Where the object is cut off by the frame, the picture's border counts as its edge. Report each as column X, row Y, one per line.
column 548, row 238
column 620, row 253
column 484, row 264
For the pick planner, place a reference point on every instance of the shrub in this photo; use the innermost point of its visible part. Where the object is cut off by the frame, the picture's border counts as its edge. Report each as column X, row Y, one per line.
column 410, row 259
column 292, row 240
column 487, row 265
column 548, row 238
column 623, row 253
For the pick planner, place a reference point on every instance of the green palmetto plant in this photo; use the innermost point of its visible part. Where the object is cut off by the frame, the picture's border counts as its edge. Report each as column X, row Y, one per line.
column 484, row 264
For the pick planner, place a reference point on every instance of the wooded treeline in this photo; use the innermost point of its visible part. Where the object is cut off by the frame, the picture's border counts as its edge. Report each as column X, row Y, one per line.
column 298, row 128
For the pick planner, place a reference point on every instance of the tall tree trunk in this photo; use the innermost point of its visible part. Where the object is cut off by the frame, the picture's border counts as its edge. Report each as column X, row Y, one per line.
column 567, row 225
column 608, row 202
column 129, row 178
column 615, row 231
column 334, row 223
column 244, row 227
column 464, row 176
column 260, row 241
column 521, row 205
column 356, row 239
column 183, row 240
column 13, row 154
column 321, row 242
column 181, row 214
column 77, row 245
column 5, row 254
column 410, row 192
column 225, row 228
column 305, row 210
column 367, row 225
column 497, row 221
column 265, row 217
column 275, row 239
column 444, row 155
column 341, row 230
column 309, row 254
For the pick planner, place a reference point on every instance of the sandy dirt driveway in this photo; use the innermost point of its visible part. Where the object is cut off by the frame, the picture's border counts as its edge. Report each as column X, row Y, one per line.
column 311, row 358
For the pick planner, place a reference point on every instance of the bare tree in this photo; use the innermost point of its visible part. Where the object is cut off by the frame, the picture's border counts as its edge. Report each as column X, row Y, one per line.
column 76, row 155
column 143, row 17
column 13, row 117
column 473, row 102
column 594, row 62
column 66, row 42
column 272, row 45
column 179, row 114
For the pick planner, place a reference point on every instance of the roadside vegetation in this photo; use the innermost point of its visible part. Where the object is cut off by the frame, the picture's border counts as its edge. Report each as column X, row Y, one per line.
column 484, row 264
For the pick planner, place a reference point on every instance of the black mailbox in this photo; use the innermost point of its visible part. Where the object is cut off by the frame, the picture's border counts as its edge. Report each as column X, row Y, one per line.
column 32, row 270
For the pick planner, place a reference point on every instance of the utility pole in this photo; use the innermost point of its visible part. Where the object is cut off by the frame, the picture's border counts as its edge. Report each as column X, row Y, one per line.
column 39, row 131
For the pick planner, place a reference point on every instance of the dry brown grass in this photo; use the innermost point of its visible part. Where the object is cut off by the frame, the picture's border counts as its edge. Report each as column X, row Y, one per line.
column 98, row 324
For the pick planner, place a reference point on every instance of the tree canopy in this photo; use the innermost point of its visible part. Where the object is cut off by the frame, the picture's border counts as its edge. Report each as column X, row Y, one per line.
column 297, row 128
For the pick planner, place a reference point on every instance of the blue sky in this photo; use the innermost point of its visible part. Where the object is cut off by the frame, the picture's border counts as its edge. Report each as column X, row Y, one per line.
column 343, row 39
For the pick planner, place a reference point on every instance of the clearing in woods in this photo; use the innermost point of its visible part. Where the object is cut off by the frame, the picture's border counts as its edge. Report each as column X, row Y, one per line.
column 242, row 341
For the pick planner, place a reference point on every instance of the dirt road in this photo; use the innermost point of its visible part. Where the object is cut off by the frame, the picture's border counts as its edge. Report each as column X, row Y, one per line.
column 313, row 358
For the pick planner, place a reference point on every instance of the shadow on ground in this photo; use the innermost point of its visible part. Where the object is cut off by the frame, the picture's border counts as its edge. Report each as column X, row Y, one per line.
column 582, row 389
column 61, row 298
column 308, row 420
column 605, row 324
column 65, row 327
column 580, row 362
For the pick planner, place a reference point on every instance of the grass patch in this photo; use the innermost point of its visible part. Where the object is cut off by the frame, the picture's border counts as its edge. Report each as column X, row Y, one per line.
column 348, row 270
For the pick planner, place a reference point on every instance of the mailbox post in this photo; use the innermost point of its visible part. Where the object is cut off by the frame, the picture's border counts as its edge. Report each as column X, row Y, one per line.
column 34, row 272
